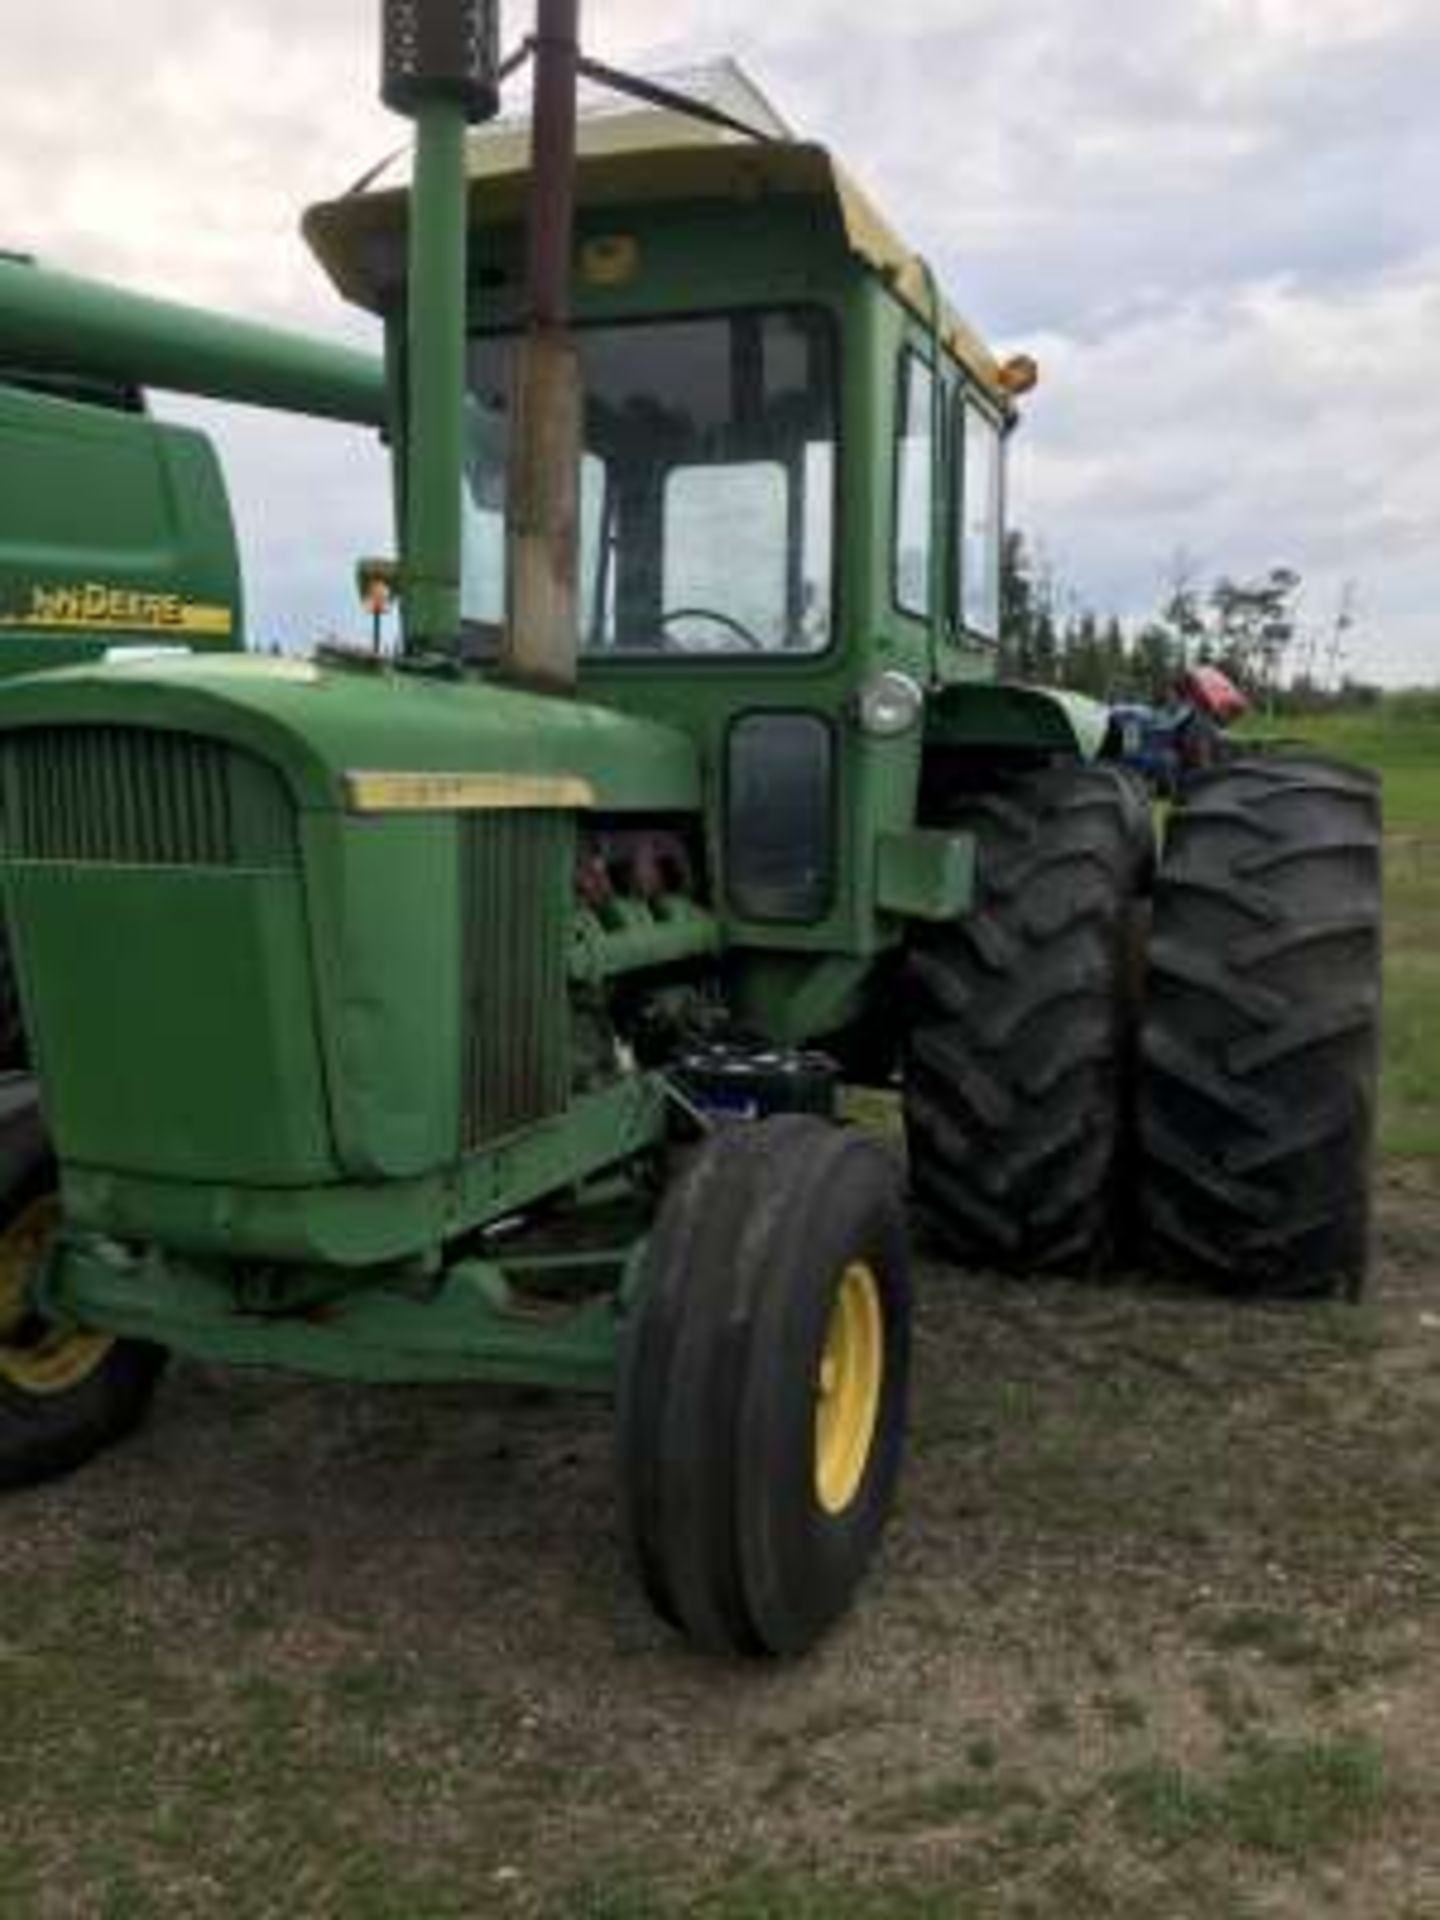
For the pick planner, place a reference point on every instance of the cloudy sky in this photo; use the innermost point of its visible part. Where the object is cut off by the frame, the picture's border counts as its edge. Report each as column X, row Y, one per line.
column 1213, row 221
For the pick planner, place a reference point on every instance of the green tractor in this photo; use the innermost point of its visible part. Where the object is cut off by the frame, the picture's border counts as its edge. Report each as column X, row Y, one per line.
column 479, row 1014
column 116, row 538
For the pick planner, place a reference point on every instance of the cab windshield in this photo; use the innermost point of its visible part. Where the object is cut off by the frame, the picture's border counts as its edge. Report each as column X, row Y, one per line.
column 707, row 485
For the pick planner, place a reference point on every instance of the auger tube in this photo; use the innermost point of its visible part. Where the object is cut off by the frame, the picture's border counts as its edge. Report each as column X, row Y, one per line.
column 62, row 323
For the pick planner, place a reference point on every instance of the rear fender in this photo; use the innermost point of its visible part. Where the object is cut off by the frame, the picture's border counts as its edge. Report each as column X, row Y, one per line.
column 1008, row 718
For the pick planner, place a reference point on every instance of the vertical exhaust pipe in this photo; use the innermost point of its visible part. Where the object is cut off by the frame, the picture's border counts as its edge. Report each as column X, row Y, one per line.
column 440, row 66
column 540, row 641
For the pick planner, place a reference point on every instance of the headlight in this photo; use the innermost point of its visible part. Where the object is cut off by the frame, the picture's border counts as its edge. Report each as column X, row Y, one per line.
column 889, row 704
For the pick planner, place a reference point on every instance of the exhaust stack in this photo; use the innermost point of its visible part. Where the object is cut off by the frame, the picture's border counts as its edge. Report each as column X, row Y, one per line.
column 544, row 483
column 440, row 67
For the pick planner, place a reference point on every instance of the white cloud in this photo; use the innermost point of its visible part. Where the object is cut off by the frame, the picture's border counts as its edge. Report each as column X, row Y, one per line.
column 1215, row 219
column 1274, row 425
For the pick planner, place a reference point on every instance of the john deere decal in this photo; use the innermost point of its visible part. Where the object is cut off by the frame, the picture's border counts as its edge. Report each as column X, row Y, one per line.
column 95, row 607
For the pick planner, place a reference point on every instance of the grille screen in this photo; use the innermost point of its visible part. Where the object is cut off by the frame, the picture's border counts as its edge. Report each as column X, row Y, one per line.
column 516, row 887
column 139, row 797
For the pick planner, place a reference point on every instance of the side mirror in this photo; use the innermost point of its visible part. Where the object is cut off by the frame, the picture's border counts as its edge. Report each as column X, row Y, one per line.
column 378, row 584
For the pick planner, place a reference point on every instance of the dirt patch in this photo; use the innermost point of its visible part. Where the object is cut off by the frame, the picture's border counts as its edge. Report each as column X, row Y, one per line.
column 1154, row 1633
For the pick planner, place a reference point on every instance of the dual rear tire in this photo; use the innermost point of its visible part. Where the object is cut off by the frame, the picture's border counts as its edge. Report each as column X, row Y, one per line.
column 1020, row 1017
column 1259, row 1044
column 1202, row 1102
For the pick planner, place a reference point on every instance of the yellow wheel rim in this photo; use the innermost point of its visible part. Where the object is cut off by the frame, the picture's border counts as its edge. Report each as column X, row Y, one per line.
column 847, row 1400
column 35, row 1356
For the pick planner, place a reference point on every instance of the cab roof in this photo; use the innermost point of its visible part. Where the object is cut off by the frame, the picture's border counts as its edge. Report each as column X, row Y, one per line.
column 646, row 156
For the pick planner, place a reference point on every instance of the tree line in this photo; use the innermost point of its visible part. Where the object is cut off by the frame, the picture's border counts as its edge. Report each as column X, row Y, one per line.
column 1252, row 629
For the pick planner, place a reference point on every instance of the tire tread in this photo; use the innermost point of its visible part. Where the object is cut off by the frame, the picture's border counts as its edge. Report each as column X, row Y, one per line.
column 1017, row 1048
column 1259, row 1047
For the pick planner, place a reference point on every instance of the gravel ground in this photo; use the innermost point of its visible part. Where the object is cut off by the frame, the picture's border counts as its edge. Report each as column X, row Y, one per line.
column 1154, row 1633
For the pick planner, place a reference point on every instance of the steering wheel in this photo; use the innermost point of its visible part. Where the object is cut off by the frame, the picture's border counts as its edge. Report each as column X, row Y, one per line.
column 727, row 620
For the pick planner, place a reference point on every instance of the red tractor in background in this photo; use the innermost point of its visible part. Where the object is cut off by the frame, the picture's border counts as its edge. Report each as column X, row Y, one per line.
column 1164, row 745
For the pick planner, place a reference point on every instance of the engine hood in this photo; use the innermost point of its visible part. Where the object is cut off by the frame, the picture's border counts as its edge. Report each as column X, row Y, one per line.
column 342, row 737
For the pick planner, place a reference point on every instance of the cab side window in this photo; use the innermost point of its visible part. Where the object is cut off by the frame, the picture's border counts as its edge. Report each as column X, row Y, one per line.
column 914, row 487
column 977, row 538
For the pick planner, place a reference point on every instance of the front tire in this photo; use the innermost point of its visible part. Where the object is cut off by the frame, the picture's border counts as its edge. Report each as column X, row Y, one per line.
column 1260, row 1036
column 65, row 1393
column 764, row 1383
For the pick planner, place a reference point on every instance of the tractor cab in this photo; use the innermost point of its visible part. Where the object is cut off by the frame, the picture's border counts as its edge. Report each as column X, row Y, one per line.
column 790, row 484
column 758, row 352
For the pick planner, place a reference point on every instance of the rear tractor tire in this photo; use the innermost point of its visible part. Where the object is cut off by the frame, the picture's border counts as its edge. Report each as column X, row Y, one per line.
column 1020, row 1021
column 763, row 1384
column 1259, row 1043
column 65, row 1393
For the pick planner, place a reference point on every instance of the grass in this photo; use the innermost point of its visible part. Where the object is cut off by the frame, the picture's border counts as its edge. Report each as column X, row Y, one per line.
column 958, row 1797
column 1410, row 1105
column 1294, row 1800
column 765, row 1897
column 1400, row 740
column 1279, row 1636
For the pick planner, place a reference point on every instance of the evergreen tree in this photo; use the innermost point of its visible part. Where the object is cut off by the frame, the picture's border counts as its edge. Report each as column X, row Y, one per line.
column 1255, row 626
column 1085, row 656
column 1045, row 648
column 1017, row 607
column 1157, row 662
column 1246, row 627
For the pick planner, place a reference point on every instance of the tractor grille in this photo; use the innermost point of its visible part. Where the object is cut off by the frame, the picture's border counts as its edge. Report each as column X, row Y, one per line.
column 516, row 901
column 136, row 796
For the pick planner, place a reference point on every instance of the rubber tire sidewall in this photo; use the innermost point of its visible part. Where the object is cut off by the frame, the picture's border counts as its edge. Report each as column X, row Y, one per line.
column 1216, row 1164
column 43, row 1436
column 1065, row 862
column 719, row 1379
column 802, row 1563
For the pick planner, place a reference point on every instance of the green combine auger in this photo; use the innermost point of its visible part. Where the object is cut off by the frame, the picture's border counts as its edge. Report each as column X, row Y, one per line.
column 115, row 527
column 116, row 535
column 479, row 1015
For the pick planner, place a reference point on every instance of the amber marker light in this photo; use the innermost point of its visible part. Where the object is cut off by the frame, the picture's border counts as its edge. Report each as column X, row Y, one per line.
column 1019, row 374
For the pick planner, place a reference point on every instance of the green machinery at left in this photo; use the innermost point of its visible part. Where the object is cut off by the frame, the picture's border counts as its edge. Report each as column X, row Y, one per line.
column 115, row 527
column 116, row 532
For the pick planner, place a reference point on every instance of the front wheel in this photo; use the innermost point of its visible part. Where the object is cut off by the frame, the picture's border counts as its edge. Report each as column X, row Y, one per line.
column 764, row 1384
column 65, row 1392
